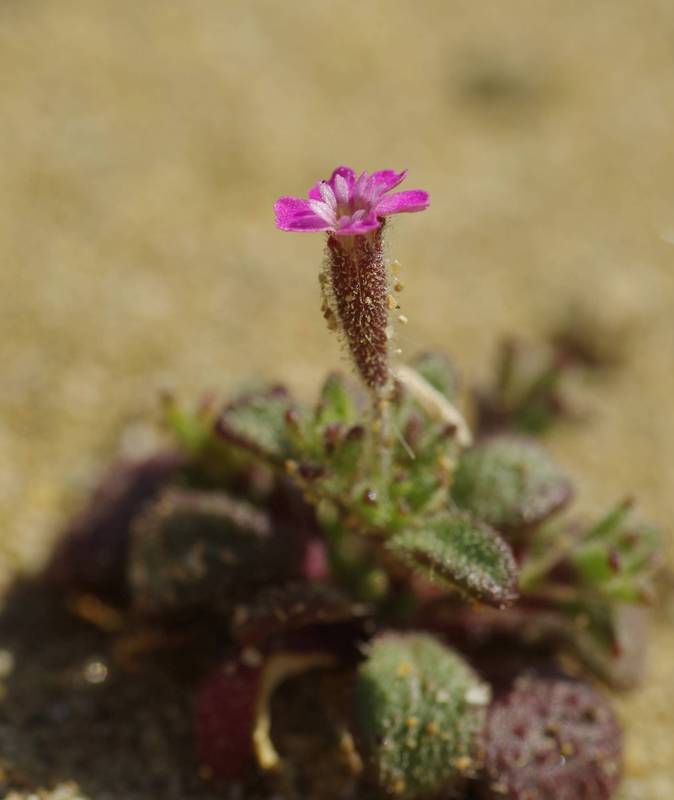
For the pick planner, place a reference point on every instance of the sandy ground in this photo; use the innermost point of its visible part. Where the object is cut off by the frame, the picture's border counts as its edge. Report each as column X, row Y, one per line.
column 143, row 144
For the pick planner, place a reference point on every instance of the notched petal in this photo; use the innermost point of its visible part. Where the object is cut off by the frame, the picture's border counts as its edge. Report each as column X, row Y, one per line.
column 324, row 211
column 358, row 226
column 295, row 214
column 342, row 190
column 387, row 179
column 403, row 202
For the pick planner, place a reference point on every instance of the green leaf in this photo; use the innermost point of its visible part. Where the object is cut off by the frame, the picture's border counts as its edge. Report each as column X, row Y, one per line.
column 336, row 403
column 526, row 393
column 419, row 711
column 611, row 639
column 438, row 370
column 192, row 428
column 510, row 482
column 457, row 550
column 619, row 556
column 194, row 549
column 348, row 454
column 257, row 422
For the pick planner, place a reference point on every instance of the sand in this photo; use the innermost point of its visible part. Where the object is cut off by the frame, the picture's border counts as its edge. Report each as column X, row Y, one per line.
column 143, row 145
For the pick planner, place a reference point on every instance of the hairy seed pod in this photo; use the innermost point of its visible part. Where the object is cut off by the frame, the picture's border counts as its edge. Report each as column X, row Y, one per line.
column 357, row 296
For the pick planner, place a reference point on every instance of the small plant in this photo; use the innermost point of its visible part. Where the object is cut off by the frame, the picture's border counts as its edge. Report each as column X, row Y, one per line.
column 376, row 540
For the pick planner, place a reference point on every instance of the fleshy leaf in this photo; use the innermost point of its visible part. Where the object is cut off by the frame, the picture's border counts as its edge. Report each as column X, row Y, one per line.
column 336, row 404
column 457, row 550
column 609, row 639
column 612, row 640
column 618, row 557
column 93, row 552
column 192, row 428
column 552, row 737
column 526, row 393
column 257, row 422
column 224, row 718
column 232, row 717
column 195, row 549
column 419, row 711
column 510, row 482
column 291, row 607
column 349, row 451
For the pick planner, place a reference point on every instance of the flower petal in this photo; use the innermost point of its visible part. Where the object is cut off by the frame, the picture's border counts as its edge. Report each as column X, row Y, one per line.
column 400, row 202
column 360, row 187
column 346, row 172
column 349, row 205
column 308, row 224
column 387, row 179
column 359, row 226
column 287, row 208
column 323, row 210
column 342, row 190
column 327, row 194
column 294, row 214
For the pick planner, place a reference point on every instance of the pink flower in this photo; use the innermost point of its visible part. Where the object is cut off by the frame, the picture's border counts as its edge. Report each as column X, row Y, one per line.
column 349, row 206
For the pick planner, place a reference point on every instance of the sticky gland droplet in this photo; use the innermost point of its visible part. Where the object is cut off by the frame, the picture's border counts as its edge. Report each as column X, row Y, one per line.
column 402, row 319
column 399, row 286
column 251, row 657
column 404, row 669
column 291, row 418
column 463, row 763
column 370, row 497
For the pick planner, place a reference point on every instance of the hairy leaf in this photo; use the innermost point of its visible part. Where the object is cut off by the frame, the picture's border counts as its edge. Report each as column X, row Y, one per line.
column 336, row 403
column 419, row 711
column 194, row 549
column 510, row 482
column 457, row 549
column 257, row 422
column 552, row 737
column 619, row 556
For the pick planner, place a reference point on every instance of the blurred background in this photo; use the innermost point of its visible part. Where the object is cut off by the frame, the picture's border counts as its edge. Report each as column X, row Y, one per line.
column 143, row 145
